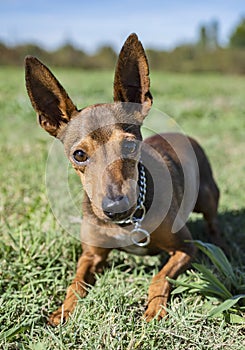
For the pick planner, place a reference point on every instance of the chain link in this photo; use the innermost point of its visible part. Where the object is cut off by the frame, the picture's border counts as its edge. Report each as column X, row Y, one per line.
column 141, row 199
column 138, row 214
column 140, row 207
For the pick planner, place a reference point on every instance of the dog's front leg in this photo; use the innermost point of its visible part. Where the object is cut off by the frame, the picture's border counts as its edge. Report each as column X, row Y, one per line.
column 159, row 289
column 91, row 261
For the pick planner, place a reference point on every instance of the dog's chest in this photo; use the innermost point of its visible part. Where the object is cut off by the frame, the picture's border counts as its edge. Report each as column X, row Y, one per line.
column 134, row 249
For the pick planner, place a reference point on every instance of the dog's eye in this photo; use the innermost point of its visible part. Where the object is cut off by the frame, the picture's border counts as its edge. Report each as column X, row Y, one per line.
column 80, row 156
column 129, row 147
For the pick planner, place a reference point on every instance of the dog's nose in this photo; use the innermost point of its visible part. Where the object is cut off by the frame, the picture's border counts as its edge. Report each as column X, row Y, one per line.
column 114, row 208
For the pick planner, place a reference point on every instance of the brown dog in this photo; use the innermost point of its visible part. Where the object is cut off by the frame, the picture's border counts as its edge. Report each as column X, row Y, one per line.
column 138, row 195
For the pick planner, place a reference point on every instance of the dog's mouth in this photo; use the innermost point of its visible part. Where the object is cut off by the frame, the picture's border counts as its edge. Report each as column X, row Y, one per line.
column 117, row 210
column 122, row 218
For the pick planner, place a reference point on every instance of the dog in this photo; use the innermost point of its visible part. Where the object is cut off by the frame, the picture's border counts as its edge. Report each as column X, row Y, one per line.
column 137, row 194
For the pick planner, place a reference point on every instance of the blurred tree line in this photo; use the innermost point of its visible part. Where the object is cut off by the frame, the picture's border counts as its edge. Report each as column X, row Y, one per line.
column 206, row 55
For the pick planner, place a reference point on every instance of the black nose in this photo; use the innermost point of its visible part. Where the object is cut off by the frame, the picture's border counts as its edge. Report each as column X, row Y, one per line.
column 115, row 208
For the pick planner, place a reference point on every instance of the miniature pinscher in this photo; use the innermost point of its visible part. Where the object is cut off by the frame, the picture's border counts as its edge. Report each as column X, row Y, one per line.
column 137, row 194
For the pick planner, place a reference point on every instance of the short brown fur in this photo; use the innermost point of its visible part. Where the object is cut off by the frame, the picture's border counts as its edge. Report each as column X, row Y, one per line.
column 102, row 144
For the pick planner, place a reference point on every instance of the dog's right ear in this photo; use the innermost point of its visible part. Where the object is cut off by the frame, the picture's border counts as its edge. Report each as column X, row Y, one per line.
column 49, row 99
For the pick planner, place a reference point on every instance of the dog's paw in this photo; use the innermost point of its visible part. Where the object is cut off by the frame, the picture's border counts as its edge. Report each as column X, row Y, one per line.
column 63, row 313
column 60, row 316
column 156, row 309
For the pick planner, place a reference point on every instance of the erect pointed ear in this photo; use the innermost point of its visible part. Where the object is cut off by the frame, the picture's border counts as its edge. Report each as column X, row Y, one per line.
column 49, row 99
column 132, row 83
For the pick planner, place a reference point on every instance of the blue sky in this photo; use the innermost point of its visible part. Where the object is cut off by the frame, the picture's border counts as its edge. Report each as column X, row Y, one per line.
column 88, row 24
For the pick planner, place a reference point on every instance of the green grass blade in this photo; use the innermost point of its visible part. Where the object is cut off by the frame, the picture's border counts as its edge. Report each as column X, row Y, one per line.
column 10, row 333
column 215, row 285
column 182, row 286
column 234, row 318
column 226, row 305
column 218, row 258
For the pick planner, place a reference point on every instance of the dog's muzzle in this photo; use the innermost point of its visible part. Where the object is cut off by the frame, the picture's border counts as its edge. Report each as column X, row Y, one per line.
column 114, row 208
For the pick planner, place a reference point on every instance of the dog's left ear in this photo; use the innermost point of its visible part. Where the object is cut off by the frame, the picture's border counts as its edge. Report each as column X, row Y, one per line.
column 132, row 82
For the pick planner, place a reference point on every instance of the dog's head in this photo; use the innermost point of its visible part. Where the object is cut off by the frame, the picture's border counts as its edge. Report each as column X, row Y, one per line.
column 102, row 141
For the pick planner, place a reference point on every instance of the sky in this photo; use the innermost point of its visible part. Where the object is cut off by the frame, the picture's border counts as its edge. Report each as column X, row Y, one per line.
column 89, row 24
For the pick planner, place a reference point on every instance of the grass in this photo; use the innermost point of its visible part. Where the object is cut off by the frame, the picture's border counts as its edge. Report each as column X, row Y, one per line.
column 38, row 258
column 224, row 287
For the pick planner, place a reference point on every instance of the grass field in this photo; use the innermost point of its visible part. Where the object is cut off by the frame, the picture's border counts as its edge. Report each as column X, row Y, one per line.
column 38, row 258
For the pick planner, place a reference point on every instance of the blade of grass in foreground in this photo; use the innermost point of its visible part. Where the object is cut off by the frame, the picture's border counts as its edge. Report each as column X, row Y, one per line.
column 206, row 283
column 218, row 258
column 226, row 305
column 214, row 284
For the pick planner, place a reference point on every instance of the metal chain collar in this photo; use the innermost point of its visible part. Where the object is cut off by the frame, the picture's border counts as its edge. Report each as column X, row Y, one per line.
column 140, row 210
